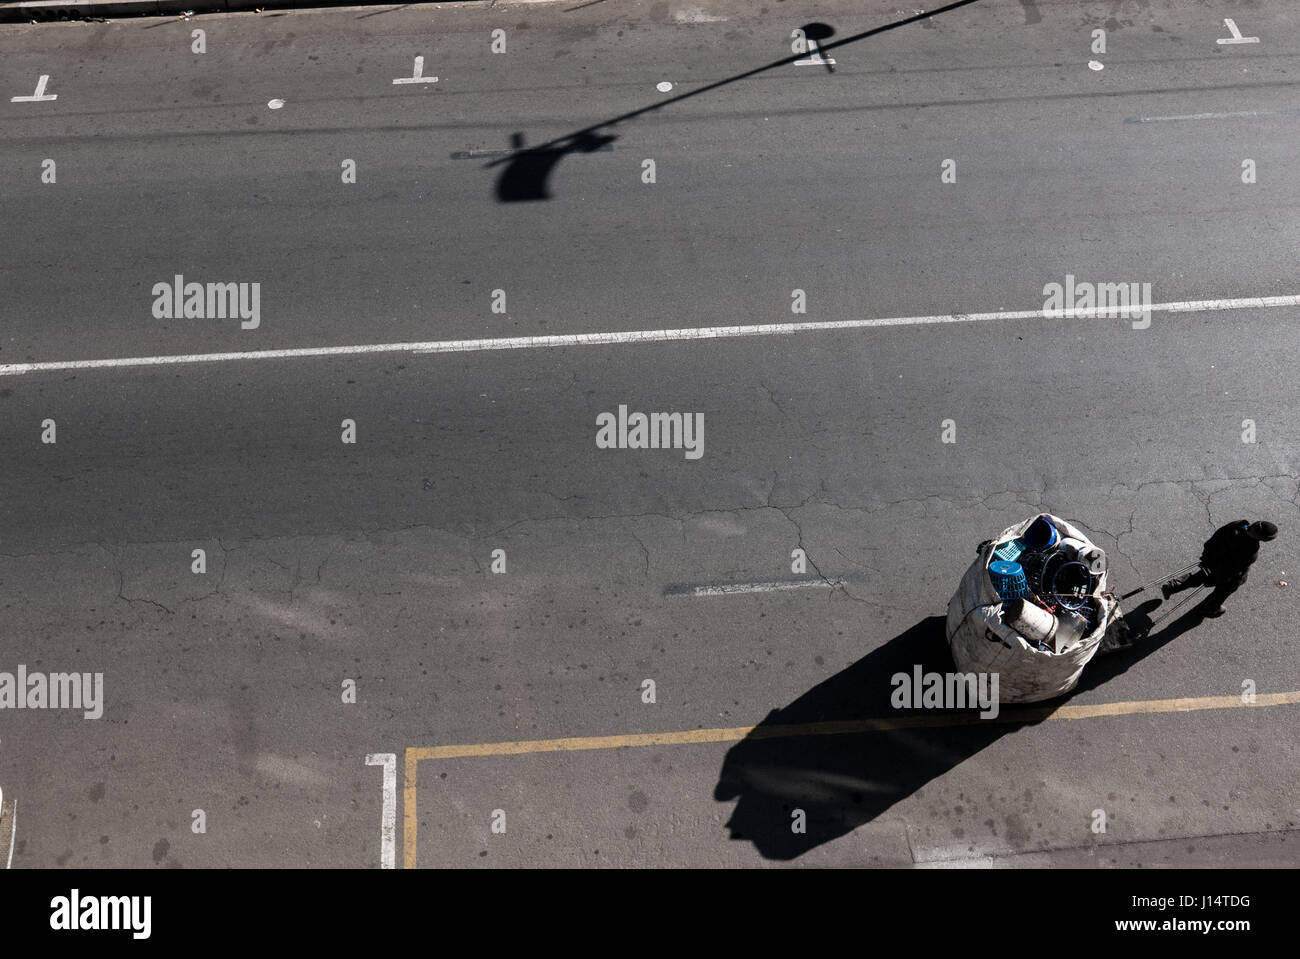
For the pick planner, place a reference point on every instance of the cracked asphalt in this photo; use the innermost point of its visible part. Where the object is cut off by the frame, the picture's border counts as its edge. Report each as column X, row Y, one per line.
column 373, row 562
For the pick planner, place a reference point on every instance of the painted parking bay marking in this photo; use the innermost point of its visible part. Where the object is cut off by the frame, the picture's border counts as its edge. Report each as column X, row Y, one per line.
column 40, row 95
column 815, row 57
column 388, row 817
column 1236, row 34
column 410, row 813
column 419, row 76
column 8, row 829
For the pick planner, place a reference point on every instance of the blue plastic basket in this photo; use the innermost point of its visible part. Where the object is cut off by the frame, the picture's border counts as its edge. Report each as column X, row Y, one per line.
column 1009, row 580
column 1010, row 551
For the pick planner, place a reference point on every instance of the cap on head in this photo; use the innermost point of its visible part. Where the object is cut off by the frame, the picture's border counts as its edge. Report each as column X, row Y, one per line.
column 1262, row 530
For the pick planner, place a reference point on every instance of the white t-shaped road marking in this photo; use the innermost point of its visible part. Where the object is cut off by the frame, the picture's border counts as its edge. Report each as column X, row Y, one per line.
column 419, row 76
column 1236, row 34
column 40, row 93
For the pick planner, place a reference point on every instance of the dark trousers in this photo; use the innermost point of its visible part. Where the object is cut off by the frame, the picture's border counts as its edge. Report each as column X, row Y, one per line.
column 1203, row 577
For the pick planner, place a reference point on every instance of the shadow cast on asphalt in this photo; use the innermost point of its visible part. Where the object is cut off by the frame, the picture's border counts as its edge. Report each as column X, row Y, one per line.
column 846, row 780
column 527, row 171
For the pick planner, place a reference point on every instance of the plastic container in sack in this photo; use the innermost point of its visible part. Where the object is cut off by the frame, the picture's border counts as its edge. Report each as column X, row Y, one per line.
column 977, row 615
column 1070, row 629
column 1073, row 546
column 1029, row 620
column 1091, row 556
column 1094, row 558
column 1009, row 552
column 1008, row 579
column 1041, row 534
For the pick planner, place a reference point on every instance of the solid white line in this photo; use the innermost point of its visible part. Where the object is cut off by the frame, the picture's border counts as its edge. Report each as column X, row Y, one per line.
column 388, row 820
column 13, row 832
column 728, row 589
column 1213, row 116
column 620, row 337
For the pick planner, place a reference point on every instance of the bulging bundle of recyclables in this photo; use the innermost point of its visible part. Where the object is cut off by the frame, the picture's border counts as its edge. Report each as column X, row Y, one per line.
column 982, row 641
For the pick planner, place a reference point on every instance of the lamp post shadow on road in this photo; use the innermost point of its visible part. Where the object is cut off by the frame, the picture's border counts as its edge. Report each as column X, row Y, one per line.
column 527, row 172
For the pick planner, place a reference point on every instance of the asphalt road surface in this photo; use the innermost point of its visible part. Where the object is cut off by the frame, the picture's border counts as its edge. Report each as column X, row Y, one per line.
column 227, row 734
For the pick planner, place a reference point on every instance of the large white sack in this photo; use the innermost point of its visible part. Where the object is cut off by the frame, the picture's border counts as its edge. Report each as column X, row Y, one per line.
column 981, row 642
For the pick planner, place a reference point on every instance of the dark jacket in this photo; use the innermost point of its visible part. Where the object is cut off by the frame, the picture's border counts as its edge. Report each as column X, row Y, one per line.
column 1229, row 552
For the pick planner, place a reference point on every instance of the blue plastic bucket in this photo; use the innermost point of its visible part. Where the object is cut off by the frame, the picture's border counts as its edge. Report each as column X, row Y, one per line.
column 1041, row 534
column 1009, row 580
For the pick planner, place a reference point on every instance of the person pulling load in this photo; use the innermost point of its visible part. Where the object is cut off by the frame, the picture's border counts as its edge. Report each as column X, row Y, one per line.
column 1225, row 559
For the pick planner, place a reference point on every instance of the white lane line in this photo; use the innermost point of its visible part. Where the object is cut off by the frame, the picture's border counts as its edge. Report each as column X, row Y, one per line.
column 486, row 154
column 730, row 589
column 40, row 94
column 388, row 819
column 1214, row 116
column 1236, row 34
column 620, row 337
column 696, row 15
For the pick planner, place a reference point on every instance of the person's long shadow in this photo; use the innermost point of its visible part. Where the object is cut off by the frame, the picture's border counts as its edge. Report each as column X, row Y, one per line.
column 527, row 171
column 845, row 779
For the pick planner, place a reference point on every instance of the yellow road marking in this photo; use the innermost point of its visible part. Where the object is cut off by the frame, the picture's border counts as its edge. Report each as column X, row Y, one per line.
column 839, row 728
